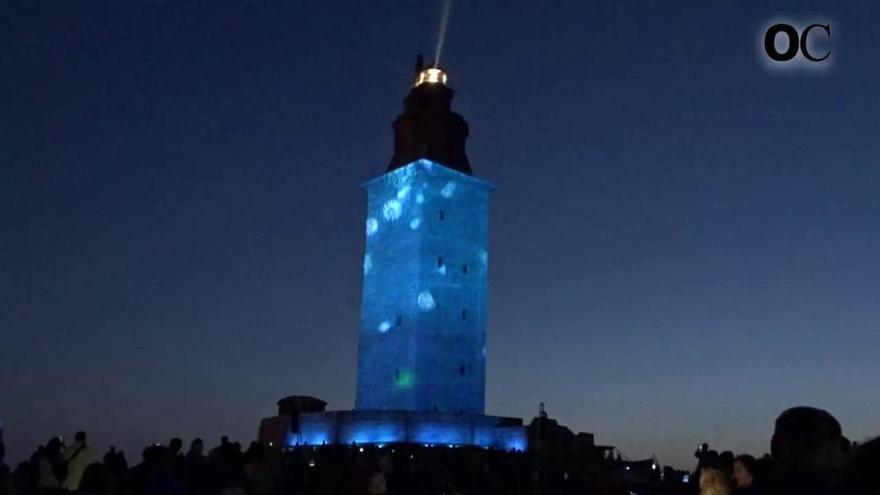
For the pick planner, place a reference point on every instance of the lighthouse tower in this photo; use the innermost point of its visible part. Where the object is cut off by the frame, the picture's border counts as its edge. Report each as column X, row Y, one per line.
column 422, row 340
column 422, row 343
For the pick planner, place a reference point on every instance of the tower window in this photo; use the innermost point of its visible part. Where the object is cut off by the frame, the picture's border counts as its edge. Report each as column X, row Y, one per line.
column 442, row 215
column 464, row 269
column 399, row 320
column 461, row 369
column 397, row 375
column 439, row 261
column 464, row 314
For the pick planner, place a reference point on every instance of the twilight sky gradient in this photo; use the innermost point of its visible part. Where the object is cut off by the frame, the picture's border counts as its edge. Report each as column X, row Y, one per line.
column 684, row 243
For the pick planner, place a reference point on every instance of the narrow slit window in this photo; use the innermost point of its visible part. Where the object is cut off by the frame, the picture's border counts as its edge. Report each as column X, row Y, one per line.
column 464, row 314
column 464, row 269
column 399, row 320
column 439, row 262
column 461, row 369
column 442, row 215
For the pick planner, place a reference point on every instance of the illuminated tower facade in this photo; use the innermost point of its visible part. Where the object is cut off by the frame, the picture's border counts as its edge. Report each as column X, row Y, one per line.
column 422, row 344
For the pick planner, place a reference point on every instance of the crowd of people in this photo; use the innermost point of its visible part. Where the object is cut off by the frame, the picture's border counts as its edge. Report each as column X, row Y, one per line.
column 809, row 456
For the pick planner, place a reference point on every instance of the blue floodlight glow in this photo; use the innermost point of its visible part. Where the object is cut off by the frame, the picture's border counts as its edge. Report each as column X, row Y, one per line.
column 403, row 192
column 384, row 326
column 392, row 209
column 414, row 223
column 441, row 269
column 420, row 198
column 448, row 189
column 372, row 226
column 368, row 263
column 426, row 300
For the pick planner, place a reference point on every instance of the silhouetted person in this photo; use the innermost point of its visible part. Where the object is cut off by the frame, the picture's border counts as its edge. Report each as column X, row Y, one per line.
column 153, row 475
column 77, row 457
column 861, row 474
column 46, row 470
column 5, row 474
column 744, row 474
column 96, row 480
column 808, row 451
column 178, row 463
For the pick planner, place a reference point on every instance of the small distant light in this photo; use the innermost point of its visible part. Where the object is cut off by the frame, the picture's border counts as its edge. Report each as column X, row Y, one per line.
column 312, row 463
column 627, row 468
column 361, row 449
column 654, row 466
column 271, row 444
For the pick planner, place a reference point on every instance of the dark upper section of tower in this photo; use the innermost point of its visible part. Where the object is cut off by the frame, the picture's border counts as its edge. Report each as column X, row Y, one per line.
column 428, row 128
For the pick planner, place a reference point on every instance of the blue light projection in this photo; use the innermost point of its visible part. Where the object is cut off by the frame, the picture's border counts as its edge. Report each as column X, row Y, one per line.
column 426, row 300
column 383, row 427
column 372, row 226
column 447, row 216
column 392, row 209
column 384, row 326
column 448, row 189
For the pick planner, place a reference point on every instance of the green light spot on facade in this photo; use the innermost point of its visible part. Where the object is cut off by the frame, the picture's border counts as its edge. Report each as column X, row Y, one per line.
column 405, row 379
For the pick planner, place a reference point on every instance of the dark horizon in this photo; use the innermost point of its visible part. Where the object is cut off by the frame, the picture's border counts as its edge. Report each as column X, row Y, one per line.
column 683, row 241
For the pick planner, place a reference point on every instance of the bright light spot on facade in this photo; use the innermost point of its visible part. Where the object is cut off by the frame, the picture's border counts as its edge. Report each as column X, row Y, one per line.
column 414, row 223
column 372, row 226
column 441, row 269
column 384, row 326
column 448, row 189
column 403, row 192
column 368, row 263
column 484, row 257
column 391, row 210
column 426, row 301
column 420, row 198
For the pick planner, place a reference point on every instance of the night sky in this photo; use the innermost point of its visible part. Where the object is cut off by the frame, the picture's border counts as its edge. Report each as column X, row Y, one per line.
column 684, row 242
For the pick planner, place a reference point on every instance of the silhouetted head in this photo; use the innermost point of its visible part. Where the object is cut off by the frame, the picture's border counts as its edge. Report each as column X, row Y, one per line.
column 175, row 445
column 95, row 479
column 860, row 475
column 808, row 440
column 80, row 436
column 197, row 446
column 744, row 468
column 726, row 459
column 53, row 448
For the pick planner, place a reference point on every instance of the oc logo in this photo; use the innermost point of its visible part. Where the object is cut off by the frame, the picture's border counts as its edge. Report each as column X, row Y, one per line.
column 796, row 42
